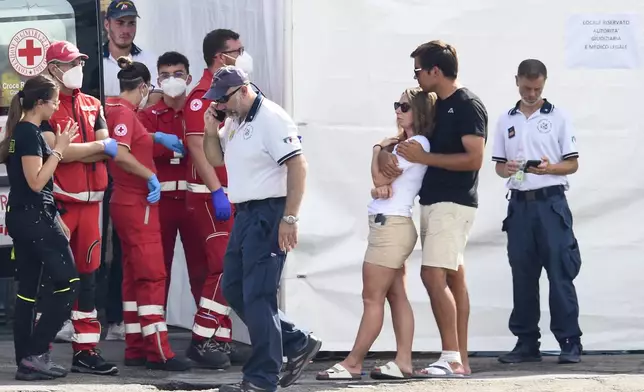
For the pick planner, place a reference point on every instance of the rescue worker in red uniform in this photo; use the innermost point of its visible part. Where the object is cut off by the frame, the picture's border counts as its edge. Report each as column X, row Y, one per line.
column 210, row 211
column 79, row 183
column 134, row 210
column 167, row 116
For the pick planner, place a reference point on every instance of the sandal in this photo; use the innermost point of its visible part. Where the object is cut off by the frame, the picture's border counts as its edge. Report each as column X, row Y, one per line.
column 337, row 372
column 390, row 371
column 438, row 369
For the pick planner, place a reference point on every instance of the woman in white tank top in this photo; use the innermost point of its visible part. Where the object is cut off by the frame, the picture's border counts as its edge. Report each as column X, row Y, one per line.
column 392, row 238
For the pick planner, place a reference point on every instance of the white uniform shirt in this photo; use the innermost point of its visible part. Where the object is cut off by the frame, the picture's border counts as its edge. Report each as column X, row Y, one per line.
column 111, row 68
column 548, row 132
column 405, row 187
column 256, row 149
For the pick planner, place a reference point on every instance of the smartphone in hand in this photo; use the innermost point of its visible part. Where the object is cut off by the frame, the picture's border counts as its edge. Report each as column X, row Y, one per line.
column 532, row 163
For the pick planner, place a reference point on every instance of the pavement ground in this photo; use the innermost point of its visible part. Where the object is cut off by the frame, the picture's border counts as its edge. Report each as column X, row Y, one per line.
column 595, row 373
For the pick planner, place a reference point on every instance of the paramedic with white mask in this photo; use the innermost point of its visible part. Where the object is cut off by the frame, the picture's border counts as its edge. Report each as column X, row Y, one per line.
column 534, row 147
column 392, row 238
column 260, row 146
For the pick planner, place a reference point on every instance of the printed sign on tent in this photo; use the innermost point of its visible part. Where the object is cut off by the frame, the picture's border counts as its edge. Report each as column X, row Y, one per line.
column 602, row 41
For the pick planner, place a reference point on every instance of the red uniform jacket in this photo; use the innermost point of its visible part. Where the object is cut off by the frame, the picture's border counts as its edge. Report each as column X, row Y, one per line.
column 194, row 111
column 125, row 127
column 171, row 167
column 78, row 182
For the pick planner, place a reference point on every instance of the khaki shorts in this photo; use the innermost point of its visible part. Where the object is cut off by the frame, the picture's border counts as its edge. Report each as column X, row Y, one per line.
column 444, row 230
column 390, row 244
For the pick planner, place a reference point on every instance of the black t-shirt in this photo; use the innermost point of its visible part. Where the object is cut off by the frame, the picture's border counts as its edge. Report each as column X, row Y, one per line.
column 460, row 114
column 27, row 140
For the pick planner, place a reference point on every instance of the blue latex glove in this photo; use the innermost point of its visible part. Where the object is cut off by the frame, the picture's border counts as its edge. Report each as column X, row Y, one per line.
column 171, row 142
column 155, row 189
column 110, row 147
column 221, row 204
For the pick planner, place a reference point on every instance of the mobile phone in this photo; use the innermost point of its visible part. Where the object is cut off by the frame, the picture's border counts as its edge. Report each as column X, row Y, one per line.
column 532, row 163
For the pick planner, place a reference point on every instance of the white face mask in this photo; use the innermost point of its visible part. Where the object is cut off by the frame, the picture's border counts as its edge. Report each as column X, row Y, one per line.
column 73, row 78
column 144, row 100
column 245, row 63
column 173, row 87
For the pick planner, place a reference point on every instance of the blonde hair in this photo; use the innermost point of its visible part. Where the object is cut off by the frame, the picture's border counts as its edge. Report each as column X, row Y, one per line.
column 423, row 110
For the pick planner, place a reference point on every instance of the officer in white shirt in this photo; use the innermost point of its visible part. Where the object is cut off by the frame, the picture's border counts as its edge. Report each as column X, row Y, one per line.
column 260, row 146
column 535, row 148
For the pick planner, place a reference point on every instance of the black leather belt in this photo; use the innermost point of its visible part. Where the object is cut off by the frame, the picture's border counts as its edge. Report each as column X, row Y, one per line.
column 538, row 194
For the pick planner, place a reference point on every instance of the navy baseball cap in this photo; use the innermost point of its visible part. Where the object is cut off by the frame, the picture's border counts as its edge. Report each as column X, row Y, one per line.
column 223, row 79
column 120, row 8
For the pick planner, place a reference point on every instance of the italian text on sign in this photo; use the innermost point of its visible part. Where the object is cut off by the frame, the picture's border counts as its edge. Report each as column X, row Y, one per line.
column 27, row 52
column 602, row 41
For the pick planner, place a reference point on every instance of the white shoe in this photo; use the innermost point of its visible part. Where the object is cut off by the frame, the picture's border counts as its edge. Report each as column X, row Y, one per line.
column 66, row 332
column 115, row 332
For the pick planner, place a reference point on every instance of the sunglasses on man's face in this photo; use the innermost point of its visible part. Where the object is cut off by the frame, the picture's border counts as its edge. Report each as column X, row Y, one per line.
column 404, row 106
column 226, row 97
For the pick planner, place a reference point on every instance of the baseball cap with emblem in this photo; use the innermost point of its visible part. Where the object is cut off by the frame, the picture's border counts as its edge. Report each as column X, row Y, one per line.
column 63, row 51
column 118, row 9
column 223, row 79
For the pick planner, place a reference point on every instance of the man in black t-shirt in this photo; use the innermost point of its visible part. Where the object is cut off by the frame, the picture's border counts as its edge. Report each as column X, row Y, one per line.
column 448, row 197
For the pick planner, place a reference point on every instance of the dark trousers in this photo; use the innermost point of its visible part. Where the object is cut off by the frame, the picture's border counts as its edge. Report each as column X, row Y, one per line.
column 113, row 295
column 253, row 267
column 42, row 254
column 114, row 300
column 540, row 235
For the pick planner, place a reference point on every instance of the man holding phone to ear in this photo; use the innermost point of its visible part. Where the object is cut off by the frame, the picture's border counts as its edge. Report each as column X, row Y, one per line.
column 535, row 148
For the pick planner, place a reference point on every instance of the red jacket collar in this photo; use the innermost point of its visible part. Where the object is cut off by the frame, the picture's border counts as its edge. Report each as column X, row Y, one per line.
column 118, row 101
column 68, row 98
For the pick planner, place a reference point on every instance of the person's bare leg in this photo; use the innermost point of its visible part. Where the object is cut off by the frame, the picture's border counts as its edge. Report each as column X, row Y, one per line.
column 444, row 308
column 402, row 317
column 458, row 286
column 376, row 281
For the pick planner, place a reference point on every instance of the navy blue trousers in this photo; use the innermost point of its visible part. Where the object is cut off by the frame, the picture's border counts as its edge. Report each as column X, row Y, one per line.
column 253, row 267
column 540, row 235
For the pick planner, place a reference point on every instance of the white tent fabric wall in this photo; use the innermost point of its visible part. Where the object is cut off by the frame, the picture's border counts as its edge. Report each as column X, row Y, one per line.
column 181, row 25
column 351, row 61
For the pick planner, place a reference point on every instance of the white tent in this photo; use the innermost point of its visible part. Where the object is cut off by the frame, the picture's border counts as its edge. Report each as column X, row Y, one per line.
column 337, row 66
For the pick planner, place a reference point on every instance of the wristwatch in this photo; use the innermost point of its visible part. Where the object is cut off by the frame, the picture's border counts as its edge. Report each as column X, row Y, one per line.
column 290, row 219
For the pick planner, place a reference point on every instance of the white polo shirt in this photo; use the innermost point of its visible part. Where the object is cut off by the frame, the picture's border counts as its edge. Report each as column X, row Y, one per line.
column 111, row 68
column 256, row 149
column 547, row 132
column 405, row 187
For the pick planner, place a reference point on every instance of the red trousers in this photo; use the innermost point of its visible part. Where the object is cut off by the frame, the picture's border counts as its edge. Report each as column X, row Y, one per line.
column 83, row 221
column 173, row 217
column 144, row 276
column 212, row 318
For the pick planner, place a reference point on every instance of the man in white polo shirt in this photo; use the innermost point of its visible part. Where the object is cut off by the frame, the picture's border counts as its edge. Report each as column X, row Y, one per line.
column 261, row 149
column 535, row 148
column 120, row 24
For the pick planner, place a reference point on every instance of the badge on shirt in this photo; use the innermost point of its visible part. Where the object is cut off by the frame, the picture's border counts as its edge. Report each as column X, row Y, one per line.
column 293, row 140
column 120, row 130
column 544, row 125
column 196, row 104
column 12, row 146
column 511, row 132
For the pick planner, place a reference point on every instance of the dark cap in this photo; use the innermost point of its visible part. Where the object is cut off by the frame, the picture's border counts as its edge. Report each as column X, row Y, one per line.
column 120, row 8
column 225, row 78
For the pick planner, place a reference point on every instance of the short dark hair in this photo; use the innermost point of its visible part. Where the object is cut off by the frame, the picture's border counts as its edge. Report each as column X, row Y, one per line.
column 438, row 54
column 215, row 42
column 532, row 69
column 173, row 58
column 132, row 73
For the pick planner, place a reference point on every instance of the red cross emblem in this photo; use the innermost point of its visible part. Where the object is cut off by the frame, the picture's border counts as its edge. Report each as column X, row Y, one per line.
column 120, row 130
column 27, row 51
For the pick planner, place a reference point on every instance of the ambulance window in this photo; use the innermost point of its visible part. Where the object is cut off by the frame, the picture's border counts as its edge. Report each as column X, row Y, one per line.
column 27, row 28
